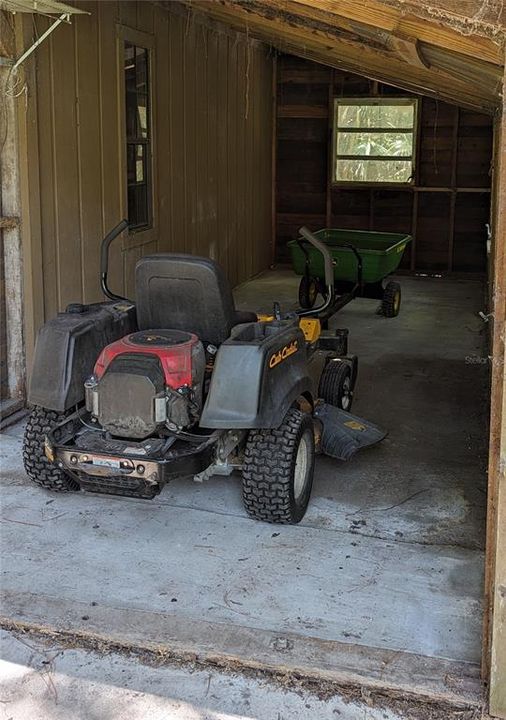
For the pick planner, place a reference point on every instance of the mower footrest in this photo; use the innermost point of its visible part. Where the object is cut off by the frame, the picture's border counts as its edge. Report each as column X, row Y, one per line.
column 343, row 433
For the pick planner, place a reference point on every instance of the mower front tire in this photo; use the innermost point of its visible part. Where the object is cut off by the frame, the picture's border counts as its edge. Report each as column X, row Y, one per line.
column 37, row 466
column 278, row 468
column 336, row 385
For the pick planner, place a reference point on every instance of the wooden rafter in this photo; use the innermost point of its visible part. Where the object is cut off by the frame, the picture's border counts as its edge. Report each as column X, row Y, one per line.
column 391, row 57
column 381, row 15
column 409, row 50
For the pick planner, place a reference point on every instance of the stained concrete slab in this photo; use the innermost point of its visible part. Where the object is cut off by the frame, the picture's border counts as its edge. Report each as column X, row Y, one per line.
column 423, row 376
column 389, row 555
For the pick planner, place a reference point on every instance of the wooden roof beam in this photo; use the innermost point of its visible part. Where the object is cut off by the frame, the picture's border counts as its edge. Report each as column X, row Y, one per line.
column 379, row 15
column 408, row 49
column 360, row 59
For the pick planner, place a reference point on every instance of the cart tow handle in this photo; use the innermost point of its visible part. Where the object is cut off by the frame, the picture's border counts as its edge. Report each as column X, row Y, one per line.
column 104, row 260
column 329, row 272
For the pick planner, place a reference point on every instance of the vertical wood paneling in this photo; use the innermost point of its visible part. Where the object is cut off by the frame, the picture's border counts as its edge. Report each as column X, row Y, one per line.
column 223, row 217
column 242, row 168
column 112, row 182
column 233, row 237
column 47, row 181
column 191, row 151
column 178, row 226
column 145, row 16
column 213, row 244
column 66, row 165
column 88, row 135
column 249, row 154
column 212, row 134
column 165, row 178
column 201, row 196
column 30, row 200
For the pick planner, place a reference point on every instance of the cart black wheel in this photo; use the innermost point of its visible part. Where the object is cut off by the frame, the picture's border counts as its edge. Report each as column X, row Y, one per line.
column 37, row 466
column 277, row 474
column 308, row 292
column 391, row 303
column 336, row 385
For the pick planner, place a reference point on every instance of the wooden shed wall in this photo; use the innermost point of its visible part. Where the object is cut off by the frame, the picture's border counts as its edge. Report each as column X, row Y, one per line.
column 212, row 134
column 446, row 209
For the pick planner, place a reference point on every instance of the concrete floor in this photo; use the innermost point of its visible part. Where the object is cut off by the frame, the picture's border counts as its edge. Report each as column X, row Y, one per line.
column 43, row 681
column 385, row 568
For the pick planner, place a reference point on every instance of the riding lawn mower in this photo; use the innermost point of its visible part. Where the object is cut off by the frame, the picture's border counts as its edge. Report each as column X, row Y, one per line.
column 126, row 396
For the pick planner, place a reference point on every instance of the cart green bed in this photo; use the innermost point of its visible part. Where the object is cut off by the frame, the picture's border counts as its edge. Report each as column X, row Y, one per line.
column 361, row 264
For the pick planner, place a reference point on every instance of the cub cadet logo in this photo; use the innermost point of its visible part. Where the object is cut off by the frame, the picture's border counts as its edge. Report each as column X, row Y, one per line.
column 283, row 353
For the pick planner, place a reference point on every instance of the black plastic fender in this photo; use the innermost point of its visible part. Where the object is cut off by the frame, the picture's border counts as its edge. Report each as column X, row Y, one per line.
column 259, row 372
column 67, row 348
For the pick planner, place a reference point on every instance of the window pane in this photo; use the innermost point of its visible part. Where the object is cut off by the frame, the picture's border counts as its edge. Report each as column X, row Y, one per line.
column 373, row 170
column 142, row 115
column 365, row 143
column 137, row 205
column 139, row 164
column 138, row 152
column 141, row 61
column 131, row 164
column 376, row 116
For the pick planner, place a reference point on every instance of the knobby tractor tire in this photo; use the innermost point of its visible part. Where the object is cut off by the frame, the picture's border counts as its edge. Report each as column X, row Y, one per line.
column 391, row 303
column 273, row 460
column 336, row 385
column 37, row 466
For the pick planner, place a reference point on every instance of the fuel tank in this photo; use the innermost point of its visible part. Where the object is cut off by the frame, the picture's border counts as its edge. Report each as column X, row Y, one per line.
column 67, row 348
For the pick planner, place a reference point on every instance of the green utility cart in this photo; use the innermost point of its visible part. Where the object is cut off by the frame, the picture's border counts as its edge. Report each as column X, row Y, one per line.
column 361, row 263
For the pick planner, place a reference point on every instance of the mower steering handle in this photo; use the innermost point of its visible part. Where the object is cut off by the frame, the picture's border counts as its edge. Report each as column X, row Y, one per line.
column 104, row 248
column 329, row 275
column 104, row 259
column 327, row 258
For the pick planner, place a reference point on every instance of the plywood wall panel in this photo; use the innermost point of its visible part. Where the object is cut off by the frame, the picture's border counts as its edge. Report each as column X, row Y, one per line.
column 46, row 180
column 212, row 84
column 109, row 140
column 66, row 168
column 162, row 120
column 432, row 232
column 233, row 168
column 222, row 238
column 470, row 243
column 88, row 133
column 178, row 231
column 212, row 132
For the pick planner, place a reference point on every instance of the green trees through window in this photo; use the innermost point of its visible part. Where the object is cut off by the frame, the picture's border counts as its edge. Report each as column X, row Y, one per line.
column 374, row 140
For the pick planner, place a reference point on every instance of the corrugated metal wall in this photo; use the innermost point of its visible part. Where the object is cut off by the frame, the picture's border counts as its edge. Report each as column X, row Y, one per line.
column 211, row 148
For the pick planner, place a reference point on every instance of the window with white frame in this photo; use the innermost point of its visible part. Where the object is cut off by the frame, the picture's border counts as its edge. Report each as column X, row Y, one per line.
column 374, row 140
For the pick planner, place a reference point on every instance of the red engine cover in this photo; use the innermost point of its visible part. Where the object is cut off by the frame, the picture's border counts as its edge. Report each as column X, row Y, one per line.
column 174, row 348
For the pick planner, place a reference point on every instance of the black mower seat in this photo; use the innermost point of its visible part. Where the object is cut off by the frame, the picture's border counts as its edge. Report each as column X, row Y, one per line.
column 184, row 292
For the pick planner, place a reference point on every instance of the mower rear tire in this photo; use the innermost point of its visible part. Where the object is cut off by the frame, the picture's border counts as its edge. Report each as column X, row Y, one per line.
column 37, row 466
column 308, row 292
column 336, row 384
column 277, row 474
column 391, row 303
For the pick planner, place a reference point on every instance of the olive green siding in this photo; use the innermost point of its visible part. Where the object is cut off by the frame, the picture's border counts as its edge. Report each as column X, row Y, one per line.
column 212, row 134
